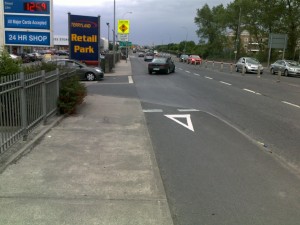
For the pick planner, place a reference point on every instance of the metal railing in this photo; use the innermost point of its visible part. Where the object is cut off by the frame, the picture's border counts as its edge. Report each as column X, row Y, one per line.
column 27, row 100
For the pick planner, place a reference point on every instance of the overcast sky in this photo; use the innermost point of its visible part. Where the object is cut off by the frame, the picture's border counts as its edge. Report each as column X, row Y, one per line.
column 152, row 22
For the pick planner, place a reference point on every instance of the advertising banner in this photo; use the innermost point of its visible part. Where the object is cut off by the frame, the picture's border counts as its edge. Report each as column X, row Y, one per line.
column 84, row 37
column 27, row 22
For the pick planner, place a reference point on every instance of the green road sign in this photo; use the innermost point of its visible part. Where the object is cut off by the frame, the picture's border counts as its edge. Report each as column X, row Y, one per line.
column 125, row 43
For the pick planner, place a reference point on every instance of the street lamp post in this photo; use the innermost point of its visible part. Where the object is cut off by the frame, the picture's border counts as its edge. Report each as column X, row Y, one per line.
column 108, row 34
column 185, row 39
column 114, row 37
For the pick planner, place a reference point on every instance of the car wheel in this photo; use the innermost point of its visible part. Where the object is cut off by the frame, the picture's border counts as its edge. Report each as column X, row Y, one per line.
column 286, row 73
column 272, row 71
column 90, row 76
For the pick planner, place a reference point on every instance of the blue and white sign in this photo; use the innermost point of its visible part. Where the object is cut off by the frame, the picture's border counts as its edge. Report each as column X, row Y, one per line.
column 27, row 38
column 27, row 6
column 27, row 22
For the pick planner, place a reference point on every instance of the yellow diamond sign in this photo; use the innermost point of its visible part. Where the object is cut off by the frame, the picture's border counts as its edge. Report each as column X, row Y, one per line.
column 123, row 26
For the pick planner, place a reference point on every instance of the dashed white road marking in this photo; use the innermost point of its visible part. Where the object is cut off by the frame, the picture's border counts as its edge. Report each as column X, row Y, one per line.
column 188, row 110
column 130, row 81
column 210, row 78
column 196, row 74
column 253, row 92
column 291, row 104
column 152, row 110
column 225, row 83
column 187, row 71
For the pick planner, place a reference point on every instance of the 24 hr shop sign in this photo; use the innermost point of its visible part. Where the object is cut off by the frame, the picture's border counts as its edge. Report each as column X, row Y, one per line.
column 83, row 37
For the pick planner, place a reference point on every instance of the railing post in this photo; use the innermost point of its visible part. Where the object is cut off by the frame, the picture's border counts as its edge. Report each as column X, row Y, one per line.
column 279, row 76
column 205, row 64
column 231, row 67
column 44, row 97
column 57, row 86
column 23, row 107
column 222, row 66
column 243, row 70
column 258, row 72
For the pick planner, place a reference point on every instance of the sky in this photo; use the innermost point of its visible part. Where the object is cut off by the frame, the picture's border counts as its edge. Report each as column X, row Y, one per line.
column 152, row 22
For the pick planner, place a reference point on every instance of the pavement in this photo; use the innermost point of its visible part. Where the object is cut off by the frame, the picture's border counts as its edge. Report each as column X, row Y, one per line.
column 95, row 167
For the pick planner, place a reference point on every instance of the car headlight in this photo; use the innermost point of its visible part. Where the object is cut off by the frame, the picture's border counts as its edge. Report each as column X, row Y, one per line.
column 98, row 70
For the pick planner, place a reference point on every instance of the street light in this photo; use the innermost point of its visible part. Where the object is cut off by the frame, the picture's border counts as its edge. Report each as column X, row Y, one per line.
column 108, row 34
column 185, row 38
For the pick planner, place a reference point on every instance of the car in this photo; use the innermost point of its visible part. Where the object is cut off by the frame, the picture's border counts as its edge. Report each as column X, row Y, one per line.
column 15, row 57
column 250, row 65
column 287, row 67
column 183, row 58
column 82, row 70
column 62, row 53
column 161, row 64
column 194, row 59
column 141, row 54
column 149, row 56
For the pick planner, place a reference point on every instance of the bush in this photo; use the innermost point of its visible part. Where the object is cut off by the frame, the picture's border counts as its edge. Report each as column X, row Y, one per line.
column 71, row 94
column 8, row 66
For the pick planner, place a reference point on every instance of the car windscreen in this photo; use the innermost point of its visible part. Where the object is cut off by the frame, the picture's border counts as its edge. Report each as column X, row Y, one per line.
column 159, row 60
column 293, row 63
column 252, row 61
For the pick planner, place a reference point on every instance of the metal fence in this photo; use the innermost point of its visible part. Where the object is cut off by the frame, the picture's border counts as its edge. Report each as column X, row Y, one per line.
column 27, row 100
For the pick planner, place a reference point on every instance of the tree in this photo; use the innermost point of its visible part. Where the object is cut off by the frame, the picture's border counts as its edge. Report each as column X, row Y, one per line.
column 8, row 66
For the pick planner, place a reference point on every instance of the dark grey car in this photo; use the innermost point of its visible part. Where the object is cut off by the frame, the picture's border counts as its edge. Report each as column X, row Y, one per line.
column 83, row 71
column 287, row 67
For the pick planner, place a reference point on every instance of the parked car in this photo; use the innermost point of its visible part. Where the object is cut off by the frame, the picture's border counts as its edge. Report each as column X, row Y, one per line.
column 287, row 67
column 183, row 58
column 83, row 71
column 15, row 57
column 161, row 64
column 149, row 56
column 250, row 65
column 194, row 59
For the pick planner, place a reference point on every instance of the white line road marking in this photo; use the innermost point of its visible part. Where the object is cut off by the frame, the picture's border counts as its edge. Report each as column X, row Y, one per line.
column 248, row 90
column 188, row 125
column 196, row 74
column 288, row 103
column 187, row 71
column 188, row 110
column 225, row 83
column 180, row 68
column 152, row 110
column 130, row 80
column 208, row 78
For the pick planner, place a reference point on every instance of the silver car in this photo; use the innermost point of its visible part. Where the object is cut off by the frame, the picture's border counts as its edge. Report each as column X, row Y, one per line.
column 250, row 65
column 83, row 71
column 287, row 67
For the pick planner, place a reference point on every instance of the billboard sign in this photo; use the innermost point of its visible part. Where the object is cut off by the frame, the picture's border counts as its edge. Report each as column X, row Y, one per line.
column 278, row 41
column 27, row 22
column 84, row 37
column 27, row 38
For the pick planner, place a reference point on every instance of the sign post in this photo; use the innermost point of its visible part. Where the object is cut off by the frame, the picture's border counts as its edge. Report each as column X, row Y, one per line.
column 277, row 41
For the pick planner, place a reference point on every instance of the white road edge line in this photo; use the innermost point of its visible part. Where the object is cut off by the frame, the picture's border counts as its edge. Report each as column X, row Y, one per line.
column 188, row 110
column 130, row 80
column 152, row 110
column 208, row 78
column 291, row 104
column 225, row 83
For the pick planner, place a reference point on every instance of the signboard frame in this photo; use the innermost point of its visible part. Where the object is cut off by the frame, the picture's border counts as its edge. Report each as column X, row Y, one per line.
column 84, row 38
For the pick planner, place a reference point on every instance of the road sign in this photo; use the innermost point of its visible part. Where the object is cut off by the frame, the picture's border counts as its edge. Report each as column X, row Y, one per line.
column 123, row 26
column 125, row 43
column 123, row 37
column 278, row 41
column 27, row 22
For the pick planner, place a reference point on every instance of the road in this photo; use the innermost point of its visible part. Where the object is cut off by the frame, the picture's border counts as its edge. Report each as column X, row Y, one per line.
column 227, row 145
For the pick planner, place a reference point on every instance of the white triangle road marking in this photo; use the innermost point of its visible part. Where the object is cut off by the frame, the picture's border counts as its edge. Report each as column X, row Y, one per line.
column 188, row 125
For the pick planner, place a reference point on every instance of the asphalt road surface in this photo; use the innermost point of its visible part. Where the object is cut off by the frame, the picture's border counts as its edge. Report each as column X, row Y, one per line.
column 228, row 145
